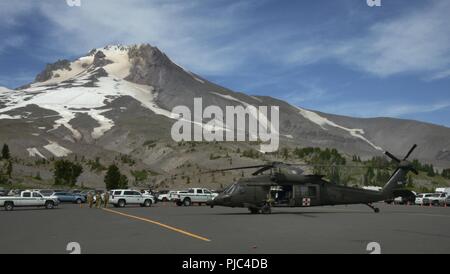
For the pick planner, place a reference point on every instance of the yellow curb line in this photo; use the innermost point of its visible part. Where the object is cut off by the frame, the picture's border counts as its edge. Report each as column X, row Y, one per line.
column 160, row 224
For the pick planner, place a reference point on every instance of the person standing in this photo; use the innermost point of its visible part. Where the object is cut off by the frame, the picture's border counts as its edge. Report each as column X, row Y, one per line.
column 98, row 200
column 90, row 199
column 106, row 199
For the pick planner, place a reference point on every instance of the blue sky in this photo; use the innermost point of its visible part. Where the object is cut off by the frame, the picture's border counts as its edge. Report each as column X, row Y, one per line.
column 336, row 56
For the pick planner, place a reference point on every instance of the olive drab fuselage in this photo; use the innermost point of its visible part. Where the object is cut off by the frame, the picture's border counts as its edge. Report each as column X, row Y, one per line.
column 287, row 186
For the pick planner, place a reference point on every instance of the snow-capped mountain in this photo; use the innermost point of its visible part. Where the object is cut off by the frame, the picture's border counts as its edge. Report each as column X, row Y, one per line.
column 118, row 98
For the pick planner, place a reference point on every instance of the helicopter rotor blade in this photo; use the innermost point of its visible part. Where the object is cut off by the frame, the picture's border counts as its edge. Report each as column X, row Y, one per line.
column 340, row 166
column 236, row 168
column 390, row 155
column 410, row 151
column 261, row 170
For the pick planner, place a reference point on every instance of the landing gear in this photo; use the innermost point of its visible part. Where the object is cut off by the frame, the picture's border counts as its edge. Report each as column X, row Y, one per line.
column 375, row 209
column 266, row 209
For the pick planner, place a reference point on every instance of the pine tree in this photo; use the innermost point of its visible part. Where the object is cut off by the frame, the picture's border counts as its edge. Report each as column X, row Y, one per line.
column 67, row 172
column 446, row 173
column 113, row 178
column 123, row 182
column 9, row 169
column 5, row 152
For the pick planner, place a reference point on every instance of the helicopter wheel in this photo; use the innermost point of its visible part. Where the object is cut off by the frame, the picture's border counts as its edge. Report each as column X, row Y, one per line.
column 266, row 209
column 375, row 209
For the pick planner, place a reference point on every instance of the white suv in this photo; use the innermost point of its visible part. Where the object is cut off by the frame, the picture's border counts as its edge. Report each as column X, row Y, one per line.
column 436, row 199
column 425, row 198
column 123, row 197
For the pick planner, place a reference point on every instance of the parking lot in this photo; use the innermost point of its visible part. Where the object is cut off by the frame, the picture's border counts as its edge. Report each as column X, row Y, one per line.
column 165, row 228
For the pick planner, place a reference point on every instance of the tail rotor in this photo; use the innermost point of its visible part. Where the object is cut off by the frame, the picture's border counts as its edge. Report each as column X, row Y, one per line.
column 405, row 164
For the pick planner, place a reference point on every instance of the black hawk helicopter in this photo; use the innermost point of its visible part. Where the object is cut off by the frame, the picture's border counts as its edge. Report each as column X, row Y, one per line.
column 294, row 189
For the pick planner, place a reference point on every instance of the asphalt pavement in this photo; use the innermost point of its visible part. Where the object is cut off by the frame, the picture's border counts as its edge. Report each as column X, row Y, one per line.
column 166, row 228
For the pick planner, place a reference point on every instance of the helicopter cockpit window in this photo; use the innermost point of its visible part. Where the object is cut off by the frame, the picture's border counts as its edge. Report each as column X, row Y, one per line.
column 230, row 189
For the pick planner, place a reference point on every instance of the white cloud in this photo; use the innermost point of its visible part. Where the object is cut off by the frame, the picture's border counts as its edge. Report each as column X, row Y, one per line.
column 383, row 109
column 10, row 11
column 309, row 92
column 215, row 38
column 417, row 42
column 440, row 75
column 188, row 31
column 11, row 41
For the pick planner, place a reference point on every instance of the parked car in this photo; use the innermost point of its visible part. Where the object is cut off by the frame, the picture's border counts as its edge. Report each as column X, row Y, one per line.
column 28, row 199
column 4, row 192
column 446, row 202
column 420, row 197
column 434, row 199
column 163, row 196
column 194, row 195
column 67, row 197
column 123, row 197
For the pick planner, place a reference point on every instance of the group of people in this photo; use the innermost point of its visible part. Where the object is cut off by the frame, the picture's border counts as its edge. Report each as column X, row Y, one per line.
column 99, row 199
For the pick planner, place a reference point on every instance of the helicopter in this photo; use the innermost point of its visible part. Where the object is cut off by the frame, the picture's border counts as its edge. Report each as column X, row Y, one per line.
column 288, row 186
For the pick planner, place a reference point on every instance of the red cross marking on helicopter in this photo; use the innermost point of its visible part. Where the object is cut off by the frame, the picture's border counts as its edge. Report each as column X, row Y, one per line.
column 306, row 202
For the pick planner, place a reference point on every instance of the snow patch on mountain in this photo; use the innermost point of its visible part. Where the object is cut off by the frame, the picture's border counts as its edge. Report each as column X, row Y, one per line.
column 69, row 101
column 33, row 152
column 263, row 120
column 8, row 117
column 121, row 65
column 322, row 122
column 231, row 98
column 105, row 124
column 256, row 98
column 57, row 150
column 4, row 90
column 66, row 117
column 146, row 95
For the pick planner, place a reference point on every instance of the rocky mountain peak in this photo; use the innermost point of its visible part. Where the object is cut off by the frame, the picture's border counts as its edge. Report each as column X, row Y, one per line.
column 100, row 59
column 149, row 65
column 48, row 72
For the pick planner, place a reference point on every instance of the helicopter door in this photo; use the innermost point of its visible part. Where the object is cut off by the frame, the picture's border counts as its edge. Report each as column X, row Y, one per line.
column 306, row 195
